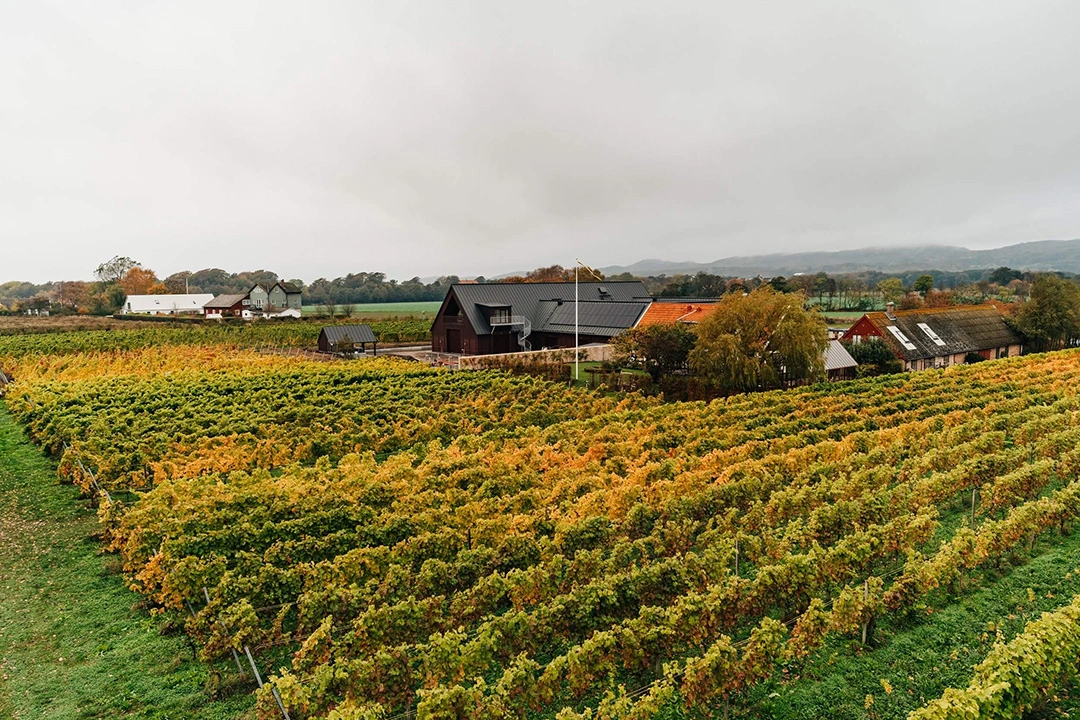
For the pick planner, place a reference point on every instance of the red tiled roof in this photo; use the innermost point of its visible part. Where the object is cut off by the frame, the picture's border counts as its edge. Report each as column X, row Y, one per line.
column 669, row 313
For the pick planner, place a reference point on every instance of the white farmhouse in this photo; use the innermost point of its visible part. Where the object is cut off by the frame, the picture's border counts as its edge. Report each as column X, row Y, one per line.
column 165, row 304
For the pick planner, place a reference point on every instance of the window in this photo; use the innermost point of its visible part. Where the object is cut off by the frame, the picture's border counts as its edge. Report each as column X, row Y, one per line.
column 931, row 334
column 901, row 337
column 500, row 315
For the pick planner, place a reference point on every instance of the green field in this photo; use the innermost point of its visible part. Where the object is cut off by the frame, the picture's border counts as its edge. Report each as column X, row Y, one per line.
column 74, row 641
column 384, row 309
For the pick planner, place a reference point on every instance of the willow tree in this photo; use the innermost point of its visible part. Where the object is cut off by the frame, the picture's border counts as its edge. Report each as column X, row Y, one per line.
column 1050, row 320
column 760, row 341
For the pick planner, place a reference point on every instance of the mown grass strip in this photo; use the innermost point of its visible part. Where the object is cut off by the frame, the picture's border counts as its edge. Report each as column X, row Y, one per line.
column 73, row 643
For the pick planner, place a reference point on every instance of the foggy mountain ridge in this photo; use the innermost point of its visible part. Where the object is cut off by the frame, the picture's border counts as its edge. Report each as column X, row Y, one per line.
column 1043, row 255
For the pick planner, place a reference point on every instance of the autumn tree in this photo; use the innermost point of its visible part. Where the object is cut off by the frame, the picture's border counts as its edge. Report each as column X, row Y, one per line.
column 141, row 281
column 736, row 286
column 555, row 273
column 760, row 341
column 1051, row 318
column 73, row 294
column 892, row 290
column 658, row 349
column 179, row 283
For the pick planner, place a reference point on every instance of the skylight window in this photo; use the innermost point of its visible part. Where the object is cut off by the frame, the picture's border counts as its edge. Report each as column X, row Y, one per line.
column 931, row 334
column 901, row 337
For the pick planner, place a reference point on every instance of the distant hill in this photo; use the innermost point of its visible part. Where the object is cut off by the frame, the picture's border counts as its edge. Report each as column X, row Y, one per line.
column 1063, row 255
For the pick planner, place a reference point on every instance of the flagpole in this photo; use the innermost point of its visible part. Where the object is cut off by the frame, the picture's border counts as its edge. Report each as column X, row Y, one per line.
column 577, row 352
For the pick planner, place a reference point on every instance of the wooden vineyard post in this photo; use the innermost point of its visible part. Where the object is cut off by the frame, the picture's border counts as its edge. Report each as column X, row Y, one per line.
column 736, row 557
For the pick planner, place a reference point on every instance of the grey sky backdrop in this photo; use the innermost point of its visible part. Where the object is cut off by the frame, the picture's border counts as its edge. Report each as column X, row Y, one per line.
column 320, row 138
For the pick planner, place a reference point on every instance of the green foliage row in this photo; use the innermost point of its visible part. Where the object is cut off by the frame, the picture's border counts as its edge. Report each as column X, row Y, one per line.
column 289, row 334
column 1015, row 676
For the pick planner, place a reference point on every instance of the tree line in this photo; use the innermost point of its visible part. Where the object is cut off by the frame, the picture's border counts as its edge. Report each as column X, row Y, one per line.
column 858, row 291
column 120, row 277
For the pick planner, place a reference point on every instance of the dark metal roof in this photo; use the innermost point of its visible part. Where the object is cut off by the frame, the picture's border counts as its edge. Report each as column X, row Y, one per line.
column 335, row 334
column 961, row 329
column 225, row 301
column 595, row 317
column 526, row 298
column 837, row 357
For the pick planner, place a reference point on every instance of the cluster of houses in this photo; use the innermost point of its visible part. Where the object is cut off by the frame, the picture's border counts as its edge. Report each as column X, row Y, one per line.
column 495, row 318
column 492, row 318
column 281, row 300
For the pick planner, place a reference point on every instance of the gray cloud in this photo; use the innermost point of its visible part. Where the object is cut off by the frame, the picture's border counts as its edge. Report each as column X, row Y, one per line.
column 424, row 138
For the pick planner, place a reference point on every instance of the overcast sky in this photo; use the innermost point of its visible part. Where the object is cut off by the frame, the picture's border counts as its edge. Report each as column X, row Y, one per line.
column 321, row 138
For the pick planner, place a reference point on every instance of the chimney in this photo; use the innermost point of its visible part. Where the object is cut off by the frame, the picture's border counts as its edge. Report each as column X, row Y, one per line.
column 890, row 308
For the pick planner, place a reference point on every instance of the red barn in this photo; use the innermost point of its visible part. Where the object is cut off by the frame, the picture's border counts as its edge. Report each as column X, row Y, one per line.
column 226, row 306
column 939, row 337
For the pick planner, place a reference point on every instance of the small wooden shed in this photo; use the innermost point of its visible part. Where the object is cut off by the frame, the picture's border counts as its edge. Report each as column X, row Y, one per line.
column 347, row 339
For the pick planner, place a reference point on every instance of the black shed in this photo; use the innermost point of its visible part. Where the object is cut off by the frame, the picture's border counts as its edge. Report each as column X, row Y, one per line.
column 347, row 339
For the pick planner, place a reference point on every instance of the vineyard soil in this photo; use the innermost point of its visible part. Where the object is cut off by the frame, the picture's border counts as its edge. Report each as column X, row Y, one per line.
column 73, row 641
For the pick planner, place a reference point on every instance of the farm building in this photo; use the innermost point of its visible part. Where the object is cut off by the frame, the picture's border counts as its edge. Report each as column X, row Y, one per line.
column 257, row 297
column 282, row 300
column 285, row 295
column 939, row 337
column 839, row 365
column 488, row 318
column 347, row 339
column 165, row 304
column 224, row 306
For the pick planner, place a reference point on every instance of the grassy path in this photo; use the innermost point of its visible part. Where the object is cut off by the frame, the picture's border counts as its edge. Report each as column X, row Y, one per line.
column 73, row 643
column 917, row 659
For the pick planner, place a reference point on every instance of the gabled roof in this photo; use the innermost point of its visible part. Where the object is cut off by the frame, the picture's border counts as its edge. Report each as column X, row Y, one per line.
column 288, row 287
column 349, row 333
column 527, row 298
column 225, row 301
column 933, row 332
column 669, row 313
column 165, row 303
column 837, row 357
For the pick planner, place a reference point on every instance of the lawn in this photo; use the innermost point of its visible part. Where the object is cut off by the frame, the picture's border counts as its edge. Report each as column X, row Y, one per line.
column 393, row 309
column 74, row 640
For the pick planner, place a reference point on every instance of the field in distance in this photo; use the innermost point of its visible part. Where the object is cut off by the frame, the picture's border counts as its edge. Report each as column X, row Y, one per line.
column 392, row 309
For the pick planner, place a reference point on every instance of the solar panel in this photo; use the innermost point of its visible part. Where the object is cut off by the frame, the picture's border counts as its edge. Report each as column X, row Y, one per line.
column 902, row 337
column 931, row 334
